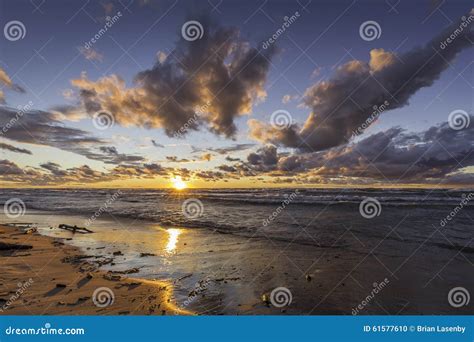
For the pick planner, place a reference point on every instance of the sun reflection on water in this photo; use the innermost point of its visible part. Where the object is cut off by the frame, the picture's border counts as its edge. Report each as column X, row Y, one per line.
column 173, row 235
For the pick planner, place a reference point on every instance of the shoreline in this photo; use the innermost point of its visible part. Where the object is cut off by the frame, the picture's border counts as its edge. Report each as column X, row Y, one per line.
column 42, row 275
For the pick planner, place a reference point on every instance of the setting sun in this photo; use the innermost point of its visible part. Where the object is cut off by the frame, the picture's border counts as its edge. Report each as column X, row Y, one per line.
column 178, row 183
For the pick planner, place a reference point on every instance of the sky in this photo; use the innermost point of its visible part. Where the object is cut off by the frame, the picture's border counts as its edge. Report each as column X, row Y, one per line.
column 154, row 93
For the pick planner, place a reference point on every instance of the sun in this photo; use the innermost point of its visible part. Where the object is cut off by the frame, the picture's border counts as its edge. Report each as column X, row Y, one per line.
column 178, row 183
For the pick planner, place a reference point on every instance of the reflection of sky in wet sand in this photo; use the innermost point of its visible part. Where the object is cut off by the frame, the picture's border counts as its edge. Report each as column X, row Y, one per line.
column 173, row 235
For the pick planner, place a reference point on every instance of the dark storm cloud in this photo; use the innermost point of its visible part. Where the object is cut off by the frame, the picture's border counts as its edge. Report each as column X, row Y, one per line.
column 12, row 148
column 344, row 105
column 54, row 168
column 43, row 128
column 438, row 154
column 209, row 81
column 9, row 168
column 265, row 156
column 395, row 155
column 227, row 168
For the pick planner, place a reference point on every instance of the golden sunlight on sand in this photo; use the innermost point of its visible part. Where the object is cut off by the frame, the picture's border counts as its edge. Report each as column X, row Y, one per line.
column 173, row 235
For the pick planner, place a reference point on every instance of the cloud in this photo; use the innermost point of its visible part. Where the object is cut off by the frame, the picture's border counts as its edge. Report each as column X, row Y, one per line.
column 265, row 156
column 286, row 136
column 227, row 149
column 12, row 148
column 206, row 157
column 156, row 144
column 90, row 54
column 341, row 105
column 288, row 98
column 51, row 173
column 42, row 128
column 211, row 82
column 211, row 176
column 161, row 56
column 7, row 82
column 175, row 159
column 230, row 159
column 439, row 154
column 9, row 168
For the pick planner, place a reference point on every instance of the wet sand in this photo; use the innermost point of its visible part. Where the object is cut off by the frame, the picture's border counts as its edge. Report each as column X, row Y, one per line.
column 44, row 276
column 212, row 273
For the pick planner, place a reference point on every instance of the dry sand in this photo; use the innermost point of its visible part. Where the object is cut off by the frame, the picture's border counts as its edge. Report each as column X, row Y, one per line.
column 43, row 276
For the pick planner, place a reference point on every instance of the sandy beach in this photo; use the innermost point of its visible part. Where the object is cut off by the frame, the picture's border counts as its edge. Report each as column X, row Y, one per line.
column 43, row 275
column 226, row 262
